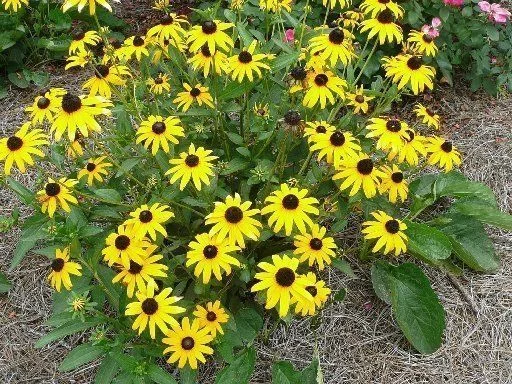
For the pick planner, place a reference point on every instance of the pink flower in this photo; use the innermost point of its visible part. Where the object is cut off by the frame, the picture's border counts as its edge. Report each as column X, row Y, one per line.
column 289, row 35
column 454, row 3
column 495, row 12
column 433, row 29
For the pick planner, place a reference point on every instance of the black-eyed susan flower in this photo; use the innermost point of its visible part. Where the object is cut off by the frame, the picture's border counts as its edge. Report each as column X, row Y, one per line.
column 315, row 128
column 359, row 172
column 390, row 133
column 351, row 18
column 237, row 4
column 95, row 169
column 45, row 106
column 81, row 59
column 136, row 46
column 282, row 283
column 170, row 27
column 197, row 94
column 205, row 60
column 318, row 291
column 427, row 116
column 322, row 88
column 393, row 183
column 81, row 39
column 154, row 310
column 333, row 47
column 359, row 100
column 374, row 7
column 211, row 255
column 77, row 113
column 211, row 33
column 212, row 316
column 188, row 343
column 275, row 5
column 233, row 219
column 62, row 269
column 159, row 84
column 75, row 148
column 332, row 3
column 406, row 69
column 289, row 208
column 80, row 4
column 57, row 193
column 261, row 110
column 388, row 231
column 124, row 246
column 139, row 275
column 156, row 132
column 147, row 220
column 315, row 247
column 20, row 148
column 443, row 153
column 335, row 146
column 195, row 165
column 413, row 147
column 246, row 62
column 384, row 27
column 14, row 4
column 422, row 43
column 104, row 77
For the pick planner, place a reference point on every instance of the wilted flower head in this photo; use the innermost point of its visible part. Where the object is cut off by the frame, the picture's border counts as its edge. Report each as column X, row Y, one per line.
column 495, row 12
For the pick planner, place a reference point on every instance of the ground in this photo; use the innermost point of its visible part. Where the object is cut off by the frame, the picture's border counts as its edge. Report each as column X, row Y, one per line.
column 358, row 341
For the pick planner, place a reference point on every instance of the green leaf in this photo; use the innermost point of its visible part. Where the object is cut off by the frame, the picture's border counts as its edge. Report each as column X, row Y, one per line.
column 80, row 355
column 18, row 79
column 5, row 284
column 427, row 243
column 455, row 184
column 248, row 324
column 284, row 60
column 483, row 212
column 67, row 329
column 108, row 195
column 160, row 376
column 235, row 89
column 235, row 165
column 240, row 371
column 283, row 372
column 34, row 229
column 24, row 194
column 235, row 138
column 470, row 242
column 188, row 375
column 380, row 283
column 343, row 266
column 107, row 371
column 418, row 312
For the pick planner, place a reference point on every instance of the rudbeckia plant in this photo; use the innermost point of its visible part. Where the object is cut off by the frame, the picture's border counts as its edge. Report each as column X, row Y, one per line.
column 202, row 185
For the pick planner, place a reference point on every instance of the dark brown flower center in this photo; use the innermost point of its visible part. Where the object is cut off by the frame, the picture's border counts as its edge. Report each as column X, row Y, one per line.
column 427, row 38
column 206, row 51
column 14, row 143
column 392, row 226
column 245, row 57
column 292, row 118
column 145, row 216
column 397, row 177
column 149, row 306
column 138, row 41
column 122, row 242
column 393, row 125
column 312, row 290
column 337, row 139
column 320, row 129
column 52, row 189
column 211, row 316
column 187, row 343
column 210, row 251
column 410, row 134
column 158, row 127
column 116, row 44
column 365, row 166
column 71, row 103
column 192, row 161
column 321, row 79
column 234, row 215
column 290, row 202
column 336, row 36
column 285, row 277
column 385, row 17
column 429, row 112
column 102, row 71
column 159, row 80
column 90, row 167
column 447, row 146
column 78, row 35
column 384, row 1
column 414, row 63
column 209, row 27
column 57, row 264
column 167, row 20
column 299, row 73
column 194, row 92
column 43, row 102
column 315, row 244
column 359, row 99
column 135, row 268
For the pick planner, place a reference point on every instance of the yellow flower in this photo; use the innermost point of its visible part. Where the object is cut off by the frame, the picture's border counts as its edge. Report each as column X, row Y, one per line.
column 390, row 132
column 335, row 46
column 290, row 207
column 443, row 153
column 211, row 33
column 359, row 100
column 318, row 291
column 211, row 316
column 45, row 106
column 136, row 45
column 188, row 343
column 57, row 193
column 104, row 77
column 198, row 94
column 275, row 5
column 374, row 7
column 124, row 246
column 394, row 183
column 261, row 110
column 78, row 304
column 384, row 27
column 14, row 4
column 94, row 170
column 159, row 84
column 205, row 60
column 388, row 231
column 147, row 220
column 21, row 147
column 80, row 4
column 140, row 275
column 195, row 165
column 422, row 43
column 406, row 69
column 317, row 128
column 156, row 132
column 237, row 4
column 315, row 247
column 246, row 62
column 75, row 147
column 413, row 145
column 359, row 172
column 211, row 255
column 427, row 116
column 81, row 59
column 335, row 146
column 169, row 28
column 282, row 283
column 323, row 87
column 232, row 219
column 154, row 310
column 62, row 268
column 81, row 38
column 332, row 3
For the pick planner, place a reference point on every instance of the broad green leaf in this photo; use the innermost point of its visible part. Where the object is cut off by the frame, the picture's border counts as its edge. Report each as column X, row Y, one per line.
column 470, row 242
column 380, row 274
column 343, row 266
column 427, row 243
column 284, row 60
column 24, row 194
column 283, row 372
column 5, row 284
column 67, row 329
column 107, row 371
column 160, row 376
column 80, row 355
column 108, row 195
column 34, row 229
column 240, row 371
column 455, row 184
column 188, row 375
column 248, row 324
column 58, row 319
column 483, row 212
